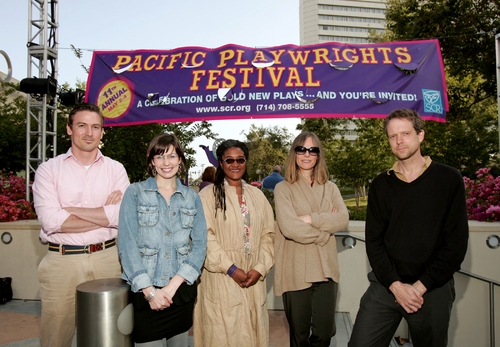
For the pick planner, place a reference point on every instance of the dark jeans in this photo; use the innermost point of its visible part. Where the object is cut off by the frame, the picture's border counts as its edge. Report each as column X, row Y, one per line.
column 379, row 316
column 311, row 314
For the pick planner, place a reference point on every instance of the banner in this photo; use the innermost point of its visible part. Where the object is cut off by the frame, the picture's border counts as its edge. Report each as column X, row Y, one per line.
column 232, row 82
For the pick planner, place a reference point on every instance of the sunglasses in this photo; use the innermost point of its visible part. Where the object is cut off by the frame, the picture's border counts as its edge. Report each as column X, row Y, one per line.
column 301, row 150
column 230, row 161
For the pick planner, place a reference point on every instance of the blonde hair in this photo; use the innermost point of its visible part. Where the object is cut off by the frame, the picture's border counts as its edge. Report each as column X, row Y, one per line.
column 320, row 172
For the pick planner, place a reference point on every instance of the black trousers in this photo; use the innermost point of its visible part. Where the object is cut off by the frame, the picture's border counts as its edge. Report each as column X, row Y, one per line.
column 311, row 314
column 379, row 316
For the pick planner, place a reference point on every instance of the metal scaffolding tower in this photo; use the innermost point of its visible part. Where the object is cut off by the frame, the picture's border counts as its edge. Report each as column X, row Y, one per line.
column 41, row 108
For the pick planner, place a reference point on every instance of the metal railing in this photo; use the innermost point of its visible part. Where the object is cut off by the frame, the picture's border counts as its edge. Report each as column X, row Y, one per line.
column 491, row 287
column 491, row 283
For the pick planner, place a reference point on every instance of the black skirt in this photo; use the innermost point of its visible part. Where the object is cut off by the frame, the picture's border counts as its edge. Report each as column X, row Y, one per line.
column 151, row 325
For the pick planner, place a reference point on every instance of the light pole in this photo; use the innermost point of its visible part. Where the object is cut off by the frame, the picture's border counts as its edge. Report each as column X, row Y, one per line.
column 497, row 51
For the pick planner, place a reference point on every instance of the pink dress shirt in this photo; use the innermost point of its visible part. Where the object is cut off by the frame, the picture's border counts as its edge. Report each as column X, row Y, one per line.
column 64, row 182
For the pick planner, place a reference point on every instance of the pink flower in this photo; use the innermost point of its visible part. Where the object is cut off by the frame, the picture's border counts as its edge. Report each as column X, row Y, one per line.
column 483, row 196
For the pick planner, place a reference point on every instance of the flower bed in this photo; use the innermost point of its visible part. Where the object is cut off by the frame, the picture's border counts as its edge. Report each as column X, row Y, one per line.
column 483, row 196
column 13, row 203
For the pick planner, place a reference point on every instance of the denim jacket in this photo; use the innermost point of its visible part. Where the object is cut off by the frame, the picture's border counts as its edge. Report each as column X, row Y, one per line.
column 157, row 240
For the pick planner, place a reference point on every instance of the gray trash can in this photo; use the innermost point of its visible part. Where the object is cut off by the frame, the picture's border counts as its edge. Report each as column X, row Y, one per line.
column 104, row 314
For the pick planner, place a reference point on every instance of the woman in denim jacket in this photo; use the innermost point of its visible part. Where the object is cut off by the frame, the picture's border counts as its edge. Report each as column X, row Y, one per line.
column 162, row 239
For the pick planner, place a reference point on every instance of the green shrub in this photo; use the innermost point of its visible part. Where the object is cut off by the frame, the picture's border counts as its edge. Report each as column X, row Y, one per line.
column 357, row 213
column 270, row 197
column 346, row 191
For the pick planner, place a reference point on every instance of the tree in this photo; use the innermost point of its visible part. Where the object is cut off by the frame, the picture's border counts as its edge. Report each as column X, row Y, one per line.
column 372, row 155
column 268, row 147
column 128, row 145
column 13, row 128
column 343, row 158
column 325, row 128
column 352, row 164
column 466, row 32
column 465, row 144
column 373, row 139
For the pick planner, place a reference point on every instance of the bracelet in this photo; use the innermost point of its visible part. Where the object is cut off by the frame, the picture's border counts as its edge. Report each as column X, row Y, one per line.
column 232, row 269
column 151, row 295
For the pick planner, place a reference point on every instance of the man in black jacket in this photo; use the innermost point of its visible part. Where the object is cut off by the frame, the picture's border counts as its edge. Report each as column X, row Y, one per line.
column 416, row 239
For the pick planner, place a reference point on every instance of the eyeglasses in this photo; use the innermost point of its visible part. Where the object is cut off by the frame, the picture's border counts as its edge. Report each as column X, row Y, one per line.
column 230, row 161
column 301, row 150
column 171, row 156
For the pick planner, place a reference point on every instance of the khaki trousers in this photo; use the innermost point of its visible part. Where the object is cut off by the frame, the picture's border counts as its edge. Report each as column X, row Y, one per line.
column 59, row 275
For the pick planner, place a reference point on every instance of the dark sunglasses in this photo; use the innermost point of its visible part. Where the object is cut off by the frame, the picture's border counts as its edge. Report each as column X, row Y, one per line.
column 301, row 150
column 230, row 161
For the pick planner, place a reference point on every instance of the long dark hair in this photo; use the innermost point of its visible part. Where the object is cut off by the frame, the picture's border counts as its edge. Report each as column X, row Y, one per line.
column 219, row 191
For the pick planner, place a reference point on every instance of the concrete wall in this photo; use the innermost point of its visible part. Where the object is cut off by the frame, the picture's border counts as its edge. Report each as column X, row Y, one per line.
column 21, row 257
column 470, row 317
column 469, row 324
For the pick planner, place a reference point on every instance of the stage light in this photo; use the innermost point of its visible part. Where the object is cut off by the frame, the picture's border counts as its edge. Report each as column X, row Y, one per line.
column 72, row 98
column 39, row 86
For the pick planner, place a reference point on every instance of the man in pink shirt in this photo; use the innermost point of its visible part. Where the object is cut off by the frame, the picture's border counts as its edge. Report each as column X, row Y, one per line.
column 77, row 199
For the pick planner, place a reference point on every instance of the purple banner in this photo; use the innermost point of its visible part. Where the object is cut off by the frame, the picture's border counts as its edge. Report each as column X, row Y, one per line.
column 233, row 82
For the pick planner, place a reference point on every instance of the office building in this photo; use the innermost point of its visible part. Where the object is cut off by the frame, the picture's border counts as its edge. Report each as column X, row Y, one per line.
column 346, row 21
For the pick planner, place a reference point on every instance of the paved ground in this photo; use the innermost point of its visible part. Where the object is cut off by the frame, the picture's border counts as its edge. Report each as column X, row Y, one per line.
column 20, row 326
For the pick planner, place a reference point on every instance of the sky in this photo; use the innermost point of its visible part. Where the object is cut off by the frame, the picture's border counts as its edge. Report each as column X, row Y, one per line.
column 155, row 24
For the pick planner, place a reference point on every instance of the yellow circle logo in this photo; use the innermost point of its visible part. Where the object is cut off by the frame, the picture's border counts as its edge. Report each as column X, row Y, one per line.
column 114, row 98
